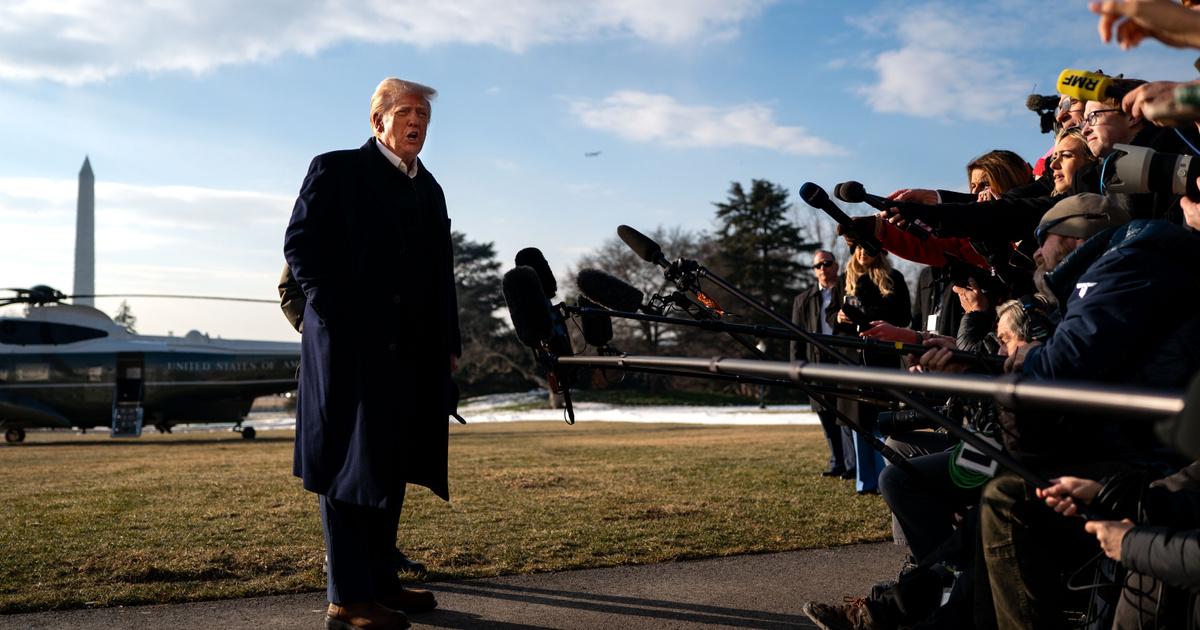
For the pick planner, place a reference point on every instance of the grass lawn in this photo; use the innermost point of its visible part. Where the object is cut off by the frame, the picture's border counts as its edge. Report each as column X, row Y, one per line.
column 91, row 521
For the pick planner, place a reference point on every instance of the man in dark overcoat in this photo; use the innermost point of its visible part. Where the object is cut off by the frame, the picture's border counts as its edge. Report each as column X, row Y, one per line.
column 369, row 243
column 808, row 312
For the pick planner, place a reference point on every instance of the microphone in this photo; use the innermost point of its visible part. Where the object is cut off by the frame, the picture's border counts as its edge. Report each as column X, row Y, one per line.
column 527, row 307
column 532, row 257
column 535, row 326
column 853, row 192
column 609, row 291
column 651, row 252
column 1088, row 86
column 1040, row 103
column 597, row 329
column 560, row 342
column 816, row 197
column 643, row 246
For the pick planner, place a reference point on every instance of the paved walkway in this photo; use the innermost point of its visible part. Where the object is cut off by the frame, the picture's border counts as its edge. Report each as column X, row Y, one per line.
column 764, row 592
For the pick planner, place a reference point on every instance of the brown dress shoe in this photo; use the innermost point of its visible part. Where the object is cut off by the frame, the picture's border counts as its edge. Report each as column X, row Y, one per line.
column 364, row 616
column 410, row 600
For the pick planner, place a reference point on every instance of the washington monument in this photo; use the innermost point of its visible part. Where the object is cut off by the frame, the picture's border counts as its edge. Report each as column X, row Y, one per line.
column 85, row 241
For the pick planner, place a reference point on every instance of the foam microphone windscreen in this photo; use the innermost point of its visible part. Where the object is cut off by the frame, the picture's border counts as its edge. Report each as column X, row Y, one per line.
column 1038, row 102
column 611, row 292
column 642, row 245
column 850, row 192
column 597, row 329
column 527, row 306
column 532, row 257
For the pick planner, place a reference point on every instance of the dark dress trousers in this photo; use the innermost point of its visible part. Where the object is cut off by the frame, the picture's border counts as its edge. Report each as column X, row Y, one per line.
column 371, row 248
column 808, row 314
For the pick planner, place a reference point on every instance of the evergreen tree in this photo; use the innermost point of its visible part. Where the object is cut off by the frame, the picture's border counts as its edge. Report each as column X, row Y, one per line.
column 760, row 247
column 492, row 355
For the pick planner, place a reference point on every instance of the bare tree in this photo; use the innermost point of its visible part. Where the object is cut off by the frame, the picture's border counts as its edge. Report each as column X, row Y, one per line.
column 823, row 230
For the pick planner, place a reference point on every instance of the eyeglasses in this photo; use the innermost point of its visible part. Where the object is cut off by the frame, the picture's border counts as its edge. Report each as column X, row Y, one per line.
column 1043, row 230
column 824, row 263
column 1090, row 119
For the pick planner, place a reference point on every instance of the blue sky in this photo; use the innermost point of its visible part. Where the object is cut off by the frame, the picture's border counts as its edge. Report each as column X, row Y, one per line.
column 200, row 117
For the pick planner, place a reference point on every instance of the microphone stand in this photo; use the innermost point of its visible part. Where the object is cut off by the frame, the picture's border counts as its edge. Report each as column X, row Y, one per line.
column 691, row 267
column 986, row 361
column 873, row 398
column 704, row 313
column 683, row 277
column 1088, row 398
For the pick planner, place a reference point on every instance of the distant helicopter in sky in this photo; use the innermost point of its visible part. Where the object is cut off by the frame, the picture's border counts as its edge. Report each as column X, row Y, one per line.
column 70, row 365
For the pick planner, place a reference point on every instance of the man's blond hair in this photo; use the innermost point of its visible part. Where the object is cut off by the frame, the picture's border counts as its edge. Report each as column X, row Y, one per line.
column 391, row 89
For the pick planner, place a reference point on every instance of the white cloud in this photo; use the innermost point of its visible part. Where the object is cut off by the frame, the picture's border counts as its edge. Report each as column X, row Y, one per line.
column 178, row 227
column 641, row 117
column 190, row 208
column 170, row 239
column 76, row 41
column 160, row 207
column 950, row 64
column 942, row 60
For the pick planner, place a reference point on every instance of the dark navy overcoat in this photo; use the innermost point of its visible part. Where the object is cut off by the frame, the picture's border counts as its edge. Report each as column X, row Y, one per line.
column 371, row 248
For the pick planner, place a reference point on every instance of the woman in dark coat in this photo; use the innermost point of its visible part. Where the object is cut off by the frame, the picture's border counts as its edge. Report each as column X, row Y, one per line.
column 880, row 292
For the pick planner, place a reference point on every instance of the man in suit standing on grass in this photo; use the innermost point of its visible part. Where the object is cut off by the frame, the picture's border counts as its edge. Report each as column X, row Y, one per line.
column 369, row 243
column 808, row 312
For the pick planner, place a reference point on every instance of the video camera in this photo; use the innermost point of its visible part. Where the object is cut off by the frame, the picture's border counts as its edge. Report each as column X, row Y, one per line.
column 977, row 414
column 891, row 423
column 959, row 273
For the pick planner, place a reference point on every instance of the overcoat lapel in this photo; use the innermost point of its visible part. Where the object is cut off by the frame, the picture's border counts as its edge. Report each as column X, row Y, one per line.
column 385, row 183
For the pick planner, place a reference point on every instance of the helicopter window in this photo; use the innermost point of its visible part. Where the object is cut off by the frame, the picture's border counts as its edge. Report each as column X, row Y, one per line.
column 33, row 372
column 24, row 333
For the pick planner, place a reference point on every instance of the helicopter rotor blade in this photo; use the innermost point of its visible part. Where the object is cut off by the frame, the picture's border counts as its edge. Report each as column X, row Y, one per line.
column 46, row 295
column 178, row 297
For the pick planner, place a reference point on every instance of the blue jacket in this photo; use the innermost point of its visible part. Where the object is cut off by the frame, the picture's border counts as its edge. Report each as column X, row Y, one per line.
column 1125, row 296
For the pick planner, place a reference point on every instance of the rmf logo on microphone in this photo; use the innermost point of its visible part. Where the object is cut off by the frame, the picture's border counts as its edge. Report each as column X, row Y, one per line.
column 1079, row 81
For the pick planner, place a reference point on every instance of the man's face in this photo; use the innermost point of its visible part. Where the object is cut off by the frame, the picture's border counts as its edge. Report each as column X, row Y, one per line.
column 827, row 271
column 1112, row 127
column 1054, row 250
column 1006, row 334
column 402, row 130
column 1070, row 112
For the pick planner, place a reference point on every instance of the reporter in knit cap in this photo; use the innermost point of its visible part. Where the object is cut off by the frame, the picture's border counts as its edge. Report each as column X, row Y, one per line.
column 1071, row 222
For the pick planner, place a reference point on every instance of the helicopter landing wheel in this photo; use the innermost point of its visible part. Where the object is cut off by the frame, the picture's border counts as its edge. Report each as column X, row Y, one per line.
column 248, row 433
column 13, row 436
